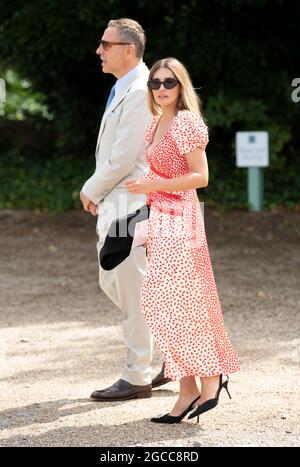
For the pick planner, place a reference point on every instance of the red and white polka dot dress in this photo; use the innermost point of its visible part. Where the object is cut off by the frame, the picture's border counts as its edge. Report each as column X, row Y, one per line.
column 179, row 298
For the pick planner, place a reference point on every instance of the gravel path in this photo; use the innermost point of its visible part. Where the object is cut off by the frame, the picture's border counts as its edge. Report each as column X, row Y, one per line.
column 61, row 337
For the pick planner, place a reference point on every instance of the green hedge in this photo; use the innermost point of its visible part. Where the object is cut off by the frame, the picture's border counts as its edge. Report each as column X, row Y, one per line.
column 242, row 54
column 53, row 185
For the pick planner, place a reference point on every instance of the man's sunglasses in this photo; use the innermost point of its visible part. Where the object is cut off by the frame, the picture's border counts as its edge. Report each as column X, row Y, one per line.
column 107, row 45
column 168, row 83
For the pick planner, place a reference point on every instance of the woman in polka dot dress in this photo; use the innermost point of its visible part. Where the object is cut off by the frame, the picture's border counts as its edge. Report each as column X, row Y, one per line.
column 179, row 298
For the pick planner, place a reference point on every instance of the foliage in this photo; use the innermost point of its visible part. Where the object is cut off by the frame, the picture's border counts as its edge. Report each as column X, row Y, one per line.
column 242, row 54
column 21, row 101
column 52, row 185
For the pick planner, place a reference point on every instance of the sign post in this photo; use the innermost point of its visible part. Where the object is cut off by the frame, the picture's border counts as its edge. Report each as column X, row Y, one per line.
column 252, row 151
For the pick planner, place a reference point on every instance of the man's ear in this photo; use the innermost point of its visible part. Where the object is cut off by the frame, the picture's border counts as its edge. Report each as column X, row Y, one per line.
column 131, row 49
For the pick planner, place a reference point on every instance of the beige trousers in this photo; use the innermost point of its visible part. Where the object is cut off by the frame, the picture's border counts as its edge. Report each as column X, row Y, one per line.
column 123, row 287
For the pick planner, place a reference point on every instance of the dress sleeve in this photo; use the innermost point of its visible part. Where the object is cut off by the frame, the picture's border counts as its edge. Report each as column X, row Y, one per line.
column 191, row 133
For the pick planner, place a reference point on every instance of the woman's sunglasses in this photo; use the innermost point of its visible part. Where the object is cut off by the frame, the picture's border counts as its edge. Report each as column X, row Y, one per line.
column 168, row 83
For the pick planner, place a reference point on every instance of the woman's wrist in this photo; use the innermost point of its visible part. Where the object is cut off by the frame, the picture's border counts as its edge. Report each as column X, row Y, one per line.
column 157, row 185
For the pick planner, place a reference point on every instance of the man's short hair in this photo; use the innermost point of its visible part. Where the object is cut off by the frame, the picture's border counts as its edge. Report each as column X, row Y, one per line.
column 131, row 31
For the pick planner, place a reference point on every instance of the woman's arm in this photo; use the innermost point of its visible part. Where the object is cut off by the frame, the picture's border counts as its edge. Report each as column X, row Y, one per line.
column 197, row 178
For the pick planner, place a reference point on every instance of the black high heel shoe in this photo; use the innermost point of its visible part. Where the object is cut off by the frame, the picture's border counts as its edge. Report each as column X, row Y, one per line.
column 174, row 419
column 211, row 403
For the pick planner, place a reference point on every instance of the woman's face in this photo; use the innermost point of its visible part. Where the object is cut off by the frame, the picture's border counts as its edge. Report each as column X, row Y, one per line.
column 162, row 96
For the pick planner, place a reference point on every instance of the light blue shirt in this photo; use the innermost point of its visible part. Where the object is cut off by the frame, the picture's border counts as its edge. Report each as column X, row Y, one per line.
column 122, row 83
column 111, row 96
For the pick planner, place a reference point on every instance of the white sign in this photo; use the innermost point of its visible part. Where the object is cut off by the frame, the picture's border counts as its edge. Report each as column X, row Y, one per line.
column 252, row 149
column 2, row 90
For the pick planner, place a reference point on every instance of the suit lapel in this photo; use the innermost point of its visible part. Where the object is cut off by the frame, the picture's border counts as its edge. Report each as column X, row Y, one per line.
column 116, row 101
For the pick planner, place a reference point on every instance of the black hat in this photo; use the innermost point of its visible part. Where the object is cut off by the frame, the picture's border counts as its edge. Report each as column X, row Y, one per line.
column 118, row 241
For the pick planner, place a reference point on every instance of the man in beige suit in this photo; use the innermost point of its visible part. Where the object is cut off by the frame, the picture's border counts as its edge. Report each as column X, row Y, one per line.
column 120, row 157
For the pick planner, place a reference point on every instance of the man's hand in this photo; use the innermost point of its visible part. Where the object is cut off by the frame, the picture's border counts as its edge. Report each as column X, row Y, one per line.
column 88, row 204
column 93, row 208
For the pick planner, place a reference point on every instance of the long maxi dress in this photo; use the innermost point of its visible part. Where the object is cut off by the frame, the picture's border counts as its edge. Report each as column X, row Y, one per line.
column 179, row 297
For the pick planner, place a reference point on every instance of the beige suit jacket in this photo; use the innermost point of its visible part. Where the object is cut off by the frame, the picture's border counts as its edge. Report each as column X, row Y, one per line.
column 120, row 144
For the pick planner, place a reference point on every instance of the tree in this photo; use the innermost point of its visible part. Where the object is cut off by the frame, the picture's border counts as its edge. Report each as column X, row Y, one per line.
column 242, row 54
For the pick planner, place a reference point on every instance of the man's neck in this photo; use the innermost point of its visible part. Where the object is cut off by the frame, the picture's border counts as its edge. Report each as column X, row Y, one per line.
column 128, row 69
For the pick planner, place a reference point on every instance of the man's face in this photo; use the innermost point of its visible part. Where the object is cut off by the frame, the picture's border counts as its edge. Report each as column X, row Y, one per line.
column 114, row 57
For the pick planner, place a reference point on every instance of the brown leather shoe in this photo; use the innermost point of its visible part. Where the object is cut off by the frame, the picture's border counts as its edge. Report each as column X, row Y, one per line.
column 122, row 391
column 160, row 379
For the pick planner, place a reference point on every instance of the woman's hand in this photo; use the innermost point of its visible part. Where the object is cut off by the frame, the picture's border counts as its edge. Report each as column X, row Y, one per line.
column 141, row 186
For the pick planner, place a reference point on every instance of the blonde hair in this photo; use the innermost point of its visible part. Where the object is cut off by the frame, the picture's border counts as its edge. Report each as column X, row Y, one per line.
column 131, row 31
column 188, row 98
